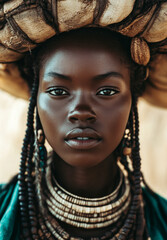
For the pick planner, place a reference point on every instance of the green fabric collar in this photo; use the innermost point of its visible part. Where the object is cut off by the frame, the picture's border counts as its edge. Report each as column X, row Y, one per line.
column 155, row 209
column 9, row 220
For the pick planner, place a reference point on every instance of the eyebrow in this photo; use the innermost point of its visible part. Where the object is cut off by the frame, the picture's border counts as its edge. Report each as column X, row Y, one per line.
column 108, row 74
column 98, row 77
column 57, row 75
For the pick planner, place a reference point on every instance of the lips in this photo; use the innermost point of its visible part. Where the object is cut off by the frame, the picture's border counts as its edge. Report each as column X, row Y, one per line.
column 79, row 138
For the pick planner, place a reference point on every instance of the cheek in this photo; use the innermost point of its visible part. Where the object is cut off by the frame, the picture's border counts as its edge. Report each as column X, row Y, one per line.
column 117, row 119
column 50, row 115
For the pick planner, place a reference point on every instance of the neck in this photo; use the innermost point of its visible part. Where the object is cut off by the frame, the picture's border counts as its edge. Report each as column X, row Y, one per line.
column 91, row 182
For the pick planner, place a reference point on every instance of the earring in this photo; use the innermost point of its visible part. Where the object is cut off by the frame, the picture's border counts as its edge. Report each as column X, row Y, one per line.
column 42, row 152
column 127, row 148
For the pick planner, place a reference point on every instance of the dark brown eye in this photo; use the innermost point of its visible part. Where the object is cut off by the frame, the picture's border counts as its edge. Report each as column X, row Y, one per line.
column 57, row 92
column 107, row 92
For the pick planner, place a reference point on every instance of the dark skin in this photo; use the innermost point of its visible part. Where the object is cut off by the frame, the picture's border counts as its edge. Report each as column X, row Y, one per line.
column 88, row 92
column 84, row 101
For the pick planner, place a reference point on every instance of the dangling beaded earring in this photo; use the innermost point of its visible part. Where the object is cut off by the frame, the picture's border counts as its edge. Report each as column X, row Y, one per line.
column 126, row 145
column 42, row 149
column 40, row 145
column 127, row 148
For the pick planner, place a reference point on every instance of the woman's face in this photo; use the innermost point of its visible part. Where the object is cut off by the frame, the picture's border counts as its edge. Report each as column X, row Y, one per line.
column 84, row 99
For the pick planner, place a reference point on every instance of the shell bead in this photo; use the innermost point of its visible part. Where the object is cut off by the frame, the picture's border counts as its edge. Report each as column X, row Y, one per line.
column 140, row 51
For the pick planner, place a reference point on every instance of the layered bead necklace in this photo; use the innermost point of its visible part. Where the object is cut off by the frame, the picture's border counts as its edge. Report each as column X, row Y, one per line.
column 88, row 213
column 59, row 205
column 56, row 210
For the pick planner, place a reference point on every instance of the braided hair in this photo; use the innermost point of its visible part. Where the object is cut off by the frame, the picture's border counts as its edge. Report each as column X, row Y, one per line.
column 134, row 226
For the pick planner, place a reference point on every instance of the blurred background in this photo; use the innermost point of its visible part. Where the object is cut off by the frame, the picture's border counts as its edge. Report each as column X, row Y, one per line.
column 13, row 112
column 153, row 138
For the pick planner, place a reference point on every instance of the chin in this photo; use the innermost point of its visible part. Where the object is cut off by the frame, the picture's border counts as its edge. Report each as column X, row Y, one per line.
column 83, row 162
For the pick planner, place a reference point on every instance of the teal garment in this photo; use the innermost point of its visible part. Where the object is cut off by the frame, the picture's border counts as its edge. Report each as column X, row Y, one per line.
column 9, row 220
column 155, row 213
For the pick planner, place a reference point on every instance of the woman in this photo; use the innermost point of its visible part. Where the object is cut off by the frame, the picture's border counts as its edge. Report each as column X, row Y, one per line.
column 84, row 93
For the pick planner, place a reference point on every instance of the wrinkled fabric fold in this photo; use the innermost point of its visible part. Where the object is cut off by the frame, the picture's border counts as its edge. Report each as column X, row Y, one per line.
column 25, row 24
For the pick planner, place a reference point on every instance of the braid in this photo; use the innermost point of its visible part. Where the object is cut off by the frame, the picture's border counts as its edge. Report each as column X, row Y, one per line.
column 25, row 174
column 135, row 153
column 134, row 226
column 31, row 220
column 136, row 213
column 140, row 221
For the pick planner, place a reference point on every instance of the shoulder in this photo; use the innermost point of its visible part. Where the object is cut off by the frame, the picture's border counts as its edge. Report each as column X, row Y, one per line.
column 9, row 225
column 155, row 208
column 4, row 188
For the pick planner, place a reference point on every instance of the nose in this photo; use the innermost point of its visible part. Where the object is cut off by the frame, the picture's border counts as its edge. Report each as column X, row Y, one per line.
column 82, row 116
column 81, row 110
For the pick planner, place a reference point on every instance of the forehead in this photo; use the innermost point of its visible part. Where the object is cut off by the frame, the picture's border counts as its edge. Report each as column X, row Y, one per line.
column 82, row 63
column 87, row 40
